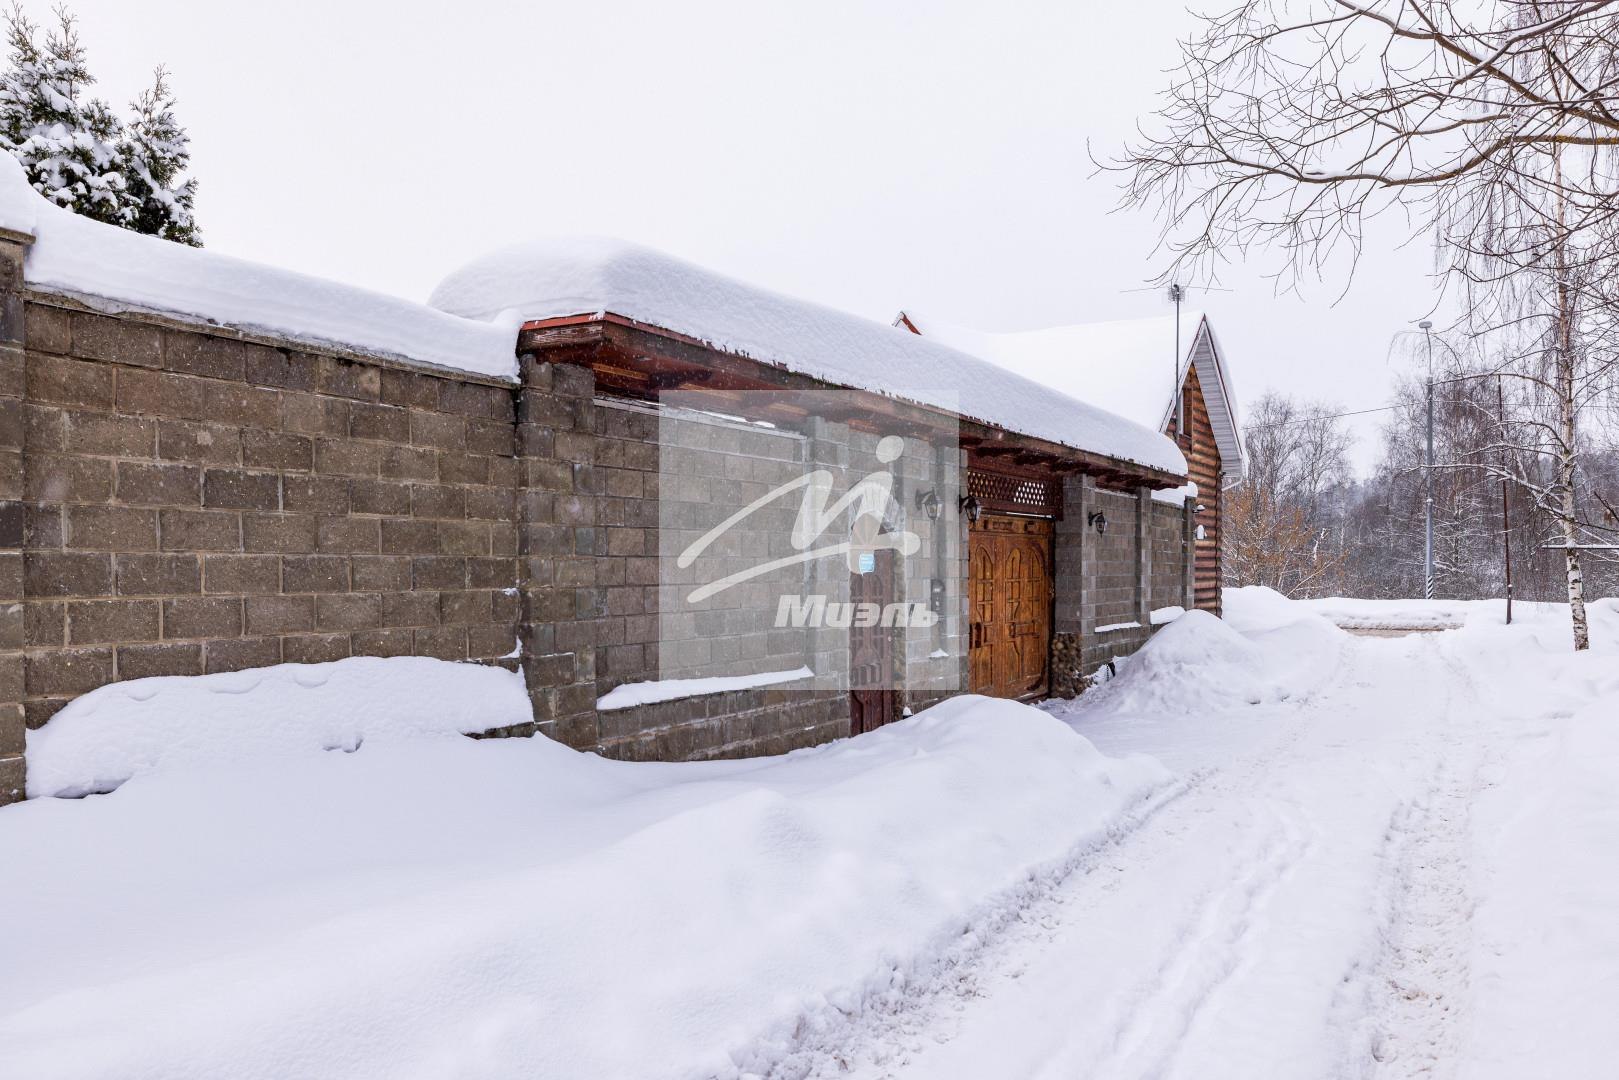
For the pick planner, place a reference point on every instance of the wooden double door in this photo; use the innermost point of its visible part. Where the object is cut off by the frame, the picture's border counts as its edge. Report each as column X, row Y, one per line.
column 1009, row 589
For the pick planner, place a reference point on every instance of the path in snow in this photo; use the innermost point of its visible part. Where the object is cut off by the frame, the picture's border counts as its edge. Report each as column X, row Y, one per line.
column 1300, row 911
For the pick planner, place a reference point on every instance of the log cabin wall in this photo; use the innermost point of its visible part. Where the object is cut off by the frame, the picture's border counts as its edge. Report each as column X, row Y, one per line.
column 1205, row 468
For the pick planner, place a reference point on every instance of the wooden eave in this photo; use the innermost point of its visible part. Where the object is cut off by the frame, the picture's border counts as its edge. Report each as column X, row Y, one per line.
column 640, row 361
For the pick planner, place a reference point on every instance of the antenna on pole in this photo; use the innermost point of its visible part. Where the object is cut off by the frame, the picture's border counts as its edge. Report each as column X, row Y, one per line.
column 1177, row 294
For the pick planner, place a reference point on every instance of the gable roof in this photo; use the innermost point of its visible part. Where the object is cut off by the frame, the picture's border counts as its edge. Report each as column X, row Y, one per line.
column 1122, row 366
column 584, row 275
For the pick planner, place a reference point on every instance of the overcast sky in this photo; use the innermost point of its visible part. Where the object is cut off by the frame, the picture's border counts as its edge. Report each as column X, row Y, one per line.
column 869, row 156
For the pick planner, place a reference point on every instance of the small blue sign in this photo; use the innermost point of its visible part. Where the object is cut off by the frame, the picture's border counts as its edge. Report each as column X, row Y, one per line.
column 868, row 561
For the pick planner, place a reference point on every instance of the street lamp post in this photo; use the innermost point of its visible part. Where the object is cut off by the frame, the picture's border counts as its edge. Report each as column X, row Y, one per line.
column 1427, row 505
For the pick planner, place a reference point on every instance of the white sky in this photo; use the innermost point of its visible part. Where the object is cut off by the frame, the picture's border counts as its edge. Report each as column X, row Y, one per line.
column 869, row 156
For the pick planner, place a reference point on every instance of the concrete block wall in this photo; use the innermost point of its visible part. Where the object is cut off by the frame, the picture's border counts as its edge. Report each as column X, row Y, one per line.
column 1112, row 579
column 1114, row 589
column 563, row 613
column 1170, row 555
column 710, row 468
column 935, row 657
column 662, row 479
column 177, row 499
column 13, row 368
column 193, row 500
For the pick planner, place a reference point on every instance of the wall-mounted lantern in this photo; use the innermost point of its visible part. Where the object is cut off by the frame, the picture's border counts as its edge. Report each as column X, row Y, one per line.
column 930, row 504
column 970, row 506
column 1097, row 520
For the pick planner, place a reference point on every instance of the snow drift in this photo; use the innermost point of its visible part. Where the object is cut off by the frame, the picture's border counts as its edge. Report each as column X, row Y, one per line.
column 123, row 729
column 511, row 908
column 1199, row 662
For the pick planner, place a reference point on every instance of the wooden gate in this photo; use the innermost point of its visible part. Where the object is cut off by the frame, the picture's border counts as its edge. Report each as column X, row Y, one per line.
column 872, row 695
column 1009, row 590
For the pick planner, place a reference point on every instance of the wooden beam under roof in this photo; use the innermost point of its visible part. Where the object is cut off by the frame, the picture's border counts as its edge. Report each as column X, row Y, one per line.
column 648, row 362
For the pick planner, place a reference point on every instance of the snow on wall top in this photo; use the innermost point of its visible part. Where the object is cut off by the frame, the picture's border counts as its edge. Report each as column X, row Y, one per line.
column 76, row 255
column 590, row 275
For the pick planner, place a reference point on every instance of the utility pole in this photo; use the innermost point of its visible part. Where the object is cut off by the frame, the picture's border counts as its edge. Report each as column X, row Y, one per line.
column 1427, row 506
column 1506, row 519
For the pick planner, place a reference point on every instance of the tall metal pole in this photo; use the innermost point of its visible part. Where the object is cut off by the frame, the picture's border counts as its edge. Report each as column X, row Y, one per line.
column 1177, row 293
column 1427, row 510
column 1506, row 518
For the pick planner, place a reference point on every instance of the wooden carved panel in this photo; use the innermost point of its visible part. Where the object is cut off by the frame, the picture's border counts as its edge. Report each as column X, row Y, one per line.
column 1009, row 589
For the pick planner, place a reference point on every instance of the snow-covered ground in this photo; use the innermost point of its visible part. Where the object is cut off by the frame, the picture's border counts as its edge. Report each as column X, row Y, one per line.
column 444, row 907
column 1392, row 859
column 1359, row 857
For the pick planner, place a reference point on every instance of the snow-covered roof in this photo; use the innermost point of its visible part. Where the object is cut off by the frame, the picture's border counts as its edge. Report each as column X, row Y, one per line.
column 590, row 275
column 117, row 269
column 1128, row 366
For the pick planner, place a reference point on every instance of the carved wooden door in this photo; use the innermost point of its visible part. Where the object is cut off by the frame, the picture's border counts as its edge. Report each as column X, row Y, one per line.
column 1009, row 590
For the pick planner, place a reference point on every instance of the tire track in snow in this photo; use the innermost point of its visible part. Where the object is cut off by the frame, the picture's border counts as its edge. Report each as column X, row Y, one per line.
column 1423, row 974
column 1150, row 1024
column 1400, row 1011
column 889, row 1034
column 878, row 1028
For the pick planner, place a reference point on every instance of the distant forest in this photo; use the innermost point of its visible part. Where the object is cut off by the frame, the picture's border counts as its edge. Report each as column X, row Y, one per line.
column 1302, row 524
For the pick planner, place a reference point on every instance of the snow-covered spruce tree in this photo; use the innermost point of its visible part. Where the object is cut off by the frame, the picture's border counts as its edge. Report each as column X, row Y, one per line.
column 153, row 157
column 68, row 145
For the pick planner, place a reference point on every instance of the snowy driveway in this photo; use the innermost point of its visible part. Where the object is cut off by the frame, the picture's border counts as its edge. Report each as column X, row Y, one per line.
column 1305, row 909
column 1377, row 858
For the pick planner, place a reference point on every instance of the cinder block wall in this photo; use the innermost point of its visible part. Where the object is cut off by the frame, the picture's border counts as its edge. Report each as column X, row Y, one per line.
column 664, row 479
column 13, row 247
column 1107, row 580
column 178, row 500
column 198, row 502
column 1169, row 555
column 1116, row 558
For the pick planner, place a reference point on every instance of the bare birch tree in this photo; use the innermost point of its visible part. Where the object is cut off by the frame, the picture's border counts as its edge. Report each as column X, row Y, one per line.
column 1492, row 127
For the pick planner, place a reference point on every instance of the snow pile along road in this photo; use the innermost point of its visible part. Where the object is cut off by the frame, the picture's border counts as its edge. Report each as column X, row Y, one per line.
column 511, row 908
column 1198, row 662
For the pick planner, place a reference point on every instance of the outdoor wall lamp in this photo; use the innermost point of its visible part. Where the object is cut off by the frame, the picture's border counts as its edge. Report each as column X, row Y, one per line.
column 1097, row 520
column 970, row 506
column 929, row 503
